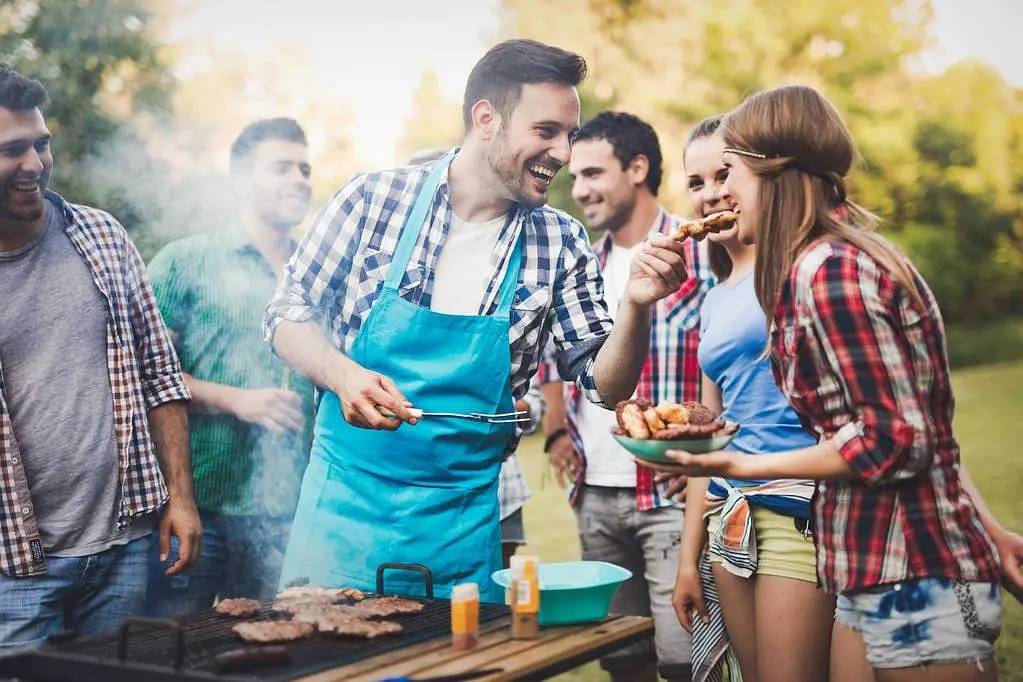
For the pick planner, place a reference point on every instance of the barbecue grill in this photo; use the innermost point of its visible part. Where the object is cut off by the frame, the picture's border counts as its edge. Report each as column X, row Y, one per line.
column 191, row 647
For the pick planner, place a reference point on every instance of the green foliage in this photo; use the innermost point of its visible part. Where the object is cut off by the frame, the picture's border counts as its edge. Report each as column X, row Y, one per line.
column 102, row 68
column 942, row 155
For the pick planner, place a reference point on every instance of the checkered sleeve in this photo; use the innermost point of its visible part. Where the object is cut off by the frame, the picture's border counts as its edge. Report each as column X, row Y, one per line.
column 158, row 363
column 581, row 319
column 864, row 375
column 319, row 270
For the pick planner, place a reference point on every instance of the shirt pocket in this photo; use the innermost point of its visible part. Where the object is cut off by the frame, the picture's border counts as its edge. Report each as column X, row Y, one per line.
column 374, row 266
column 528, row 311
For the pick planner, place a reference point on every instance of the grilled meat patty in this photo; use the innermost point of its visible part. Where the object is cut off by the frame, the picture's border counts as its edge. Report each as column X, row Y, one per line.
column 239, row 608
column 340, row 620
column 330, row 594
column 273, row 631
column 381, row 607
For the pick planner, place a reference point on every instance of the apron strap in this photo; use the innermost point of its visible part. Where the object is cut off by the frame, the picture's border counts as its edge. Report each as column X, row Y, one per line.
column 414, row 224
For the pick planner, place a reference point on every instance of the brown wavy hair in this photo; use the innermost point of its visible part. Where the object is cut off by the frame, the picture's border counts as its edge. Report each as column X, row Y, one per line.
column 809, row 151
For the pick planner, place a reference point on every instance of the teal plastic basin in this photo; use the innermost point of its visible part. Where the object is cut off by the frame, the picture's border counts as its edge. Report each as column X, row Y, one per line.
column 573, row 591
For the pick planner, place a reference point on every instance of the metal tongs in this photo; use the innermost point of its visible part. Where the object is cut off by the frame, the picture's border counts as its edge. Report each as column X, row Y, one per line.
column 517, row 417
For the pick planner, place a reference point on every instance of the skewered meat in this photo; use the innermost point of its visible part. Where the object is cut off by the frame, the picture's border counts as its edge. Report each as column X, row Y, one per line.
column 679, row 431
column 239, row 608
column 698, row 229
column 632, row 421
column 381, row 607
column 273, row 631
column 339, row 621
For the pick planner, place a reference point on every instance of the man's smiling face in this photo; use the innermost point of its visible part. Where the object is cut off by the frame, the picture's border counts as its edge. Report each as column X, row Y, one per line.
column 25, row 164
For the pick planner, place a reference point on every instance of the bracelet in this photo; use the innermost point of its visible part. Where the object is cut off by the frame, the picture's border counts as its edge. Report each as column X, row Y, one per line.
column 555, row 434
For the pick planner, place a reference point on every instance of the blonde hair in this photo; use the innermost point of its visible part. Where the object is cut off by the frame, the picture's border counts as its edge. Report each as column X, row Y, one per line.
column 807, row 152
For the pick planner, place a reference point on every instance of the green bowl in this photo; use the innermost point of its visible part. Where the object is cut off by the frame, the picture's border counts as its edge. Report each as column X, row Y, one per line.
column 573, row 591
column 653, row 450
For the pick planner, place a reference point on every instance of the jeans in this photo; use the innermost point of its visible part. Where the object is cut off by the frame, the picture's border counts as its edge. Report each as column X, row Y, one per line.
column 241, row 557
column 646, row 543
column 89, row 594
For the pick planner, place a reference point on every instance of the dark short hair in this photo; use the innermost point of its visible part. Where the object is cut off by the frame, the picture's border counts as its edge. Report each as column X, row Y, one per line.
column 20, row 93
column 629, row 136
column 259, row 131
column 499, row 76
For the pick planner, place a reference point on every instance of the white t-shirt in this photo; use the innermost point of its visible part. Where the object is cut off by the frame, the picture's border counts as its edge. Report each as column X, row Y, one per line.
column 607, row 463
column 460, row 279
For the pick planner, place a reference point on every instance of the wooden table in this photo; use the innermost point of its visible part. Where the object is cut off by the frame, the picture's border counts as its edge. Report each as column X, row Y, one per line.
column 557, row 650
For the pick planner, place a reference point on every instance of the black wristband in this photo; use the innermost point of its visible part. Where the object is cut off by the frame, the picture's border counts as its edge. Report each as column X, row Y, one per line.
column 554, row 435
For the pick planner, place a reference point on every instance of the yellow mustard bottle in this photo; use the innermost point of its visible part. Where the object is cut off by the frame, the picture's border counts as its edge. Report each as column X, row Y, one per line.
column 465, row 616
column 525, row 593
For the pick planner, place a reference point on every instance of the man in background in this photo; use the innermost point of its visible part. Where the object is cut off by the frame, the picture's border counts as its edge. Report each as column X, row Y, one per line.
column 624, row 516
column 250, row 414
column 93, row 425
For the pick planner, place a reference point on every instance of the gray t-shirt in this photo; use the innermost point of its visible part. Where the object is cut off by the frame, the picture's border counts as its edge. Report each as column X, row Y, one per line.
column 53, row 330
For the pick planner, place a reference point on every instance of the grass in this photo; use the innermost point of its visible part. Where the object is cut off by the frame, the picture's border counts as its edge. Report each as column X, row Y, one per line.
column 989, row 424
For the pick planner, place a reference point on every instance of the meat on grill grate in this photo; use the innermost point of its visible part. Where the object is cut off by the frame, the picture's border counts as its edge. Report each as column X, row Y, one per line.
column 381, row 607
column 329, row 594
column 339, row 621
column 239, row 608
column 273, row 631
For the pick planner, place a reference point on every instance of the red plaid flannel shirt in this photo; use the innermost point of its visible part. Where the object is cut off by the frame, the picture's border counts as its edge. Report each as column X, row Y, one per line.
column 144, row 373
column 671, row 371
column 862, row 364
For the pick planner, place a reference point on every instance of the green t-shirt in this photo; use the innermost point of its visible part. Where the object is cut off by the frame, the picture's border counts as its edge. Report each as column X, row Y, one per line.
column 212, row 289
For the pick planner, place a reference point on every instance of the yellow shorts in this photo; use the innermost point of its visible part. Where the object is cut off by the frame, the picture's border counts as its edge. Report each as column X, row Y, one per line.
column 781, row 549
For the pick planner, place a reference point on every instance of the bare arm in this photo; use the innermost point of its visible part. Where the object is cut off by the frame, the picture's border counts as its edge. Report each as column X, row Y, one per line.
column 688, row 593
column 560, row 451
column 168, row 423
column 1009, row 544
column 362, row 393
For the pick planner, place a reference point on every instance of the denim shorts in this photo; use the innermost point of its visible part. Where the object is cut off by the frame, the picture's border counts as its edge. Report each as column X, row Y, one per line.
column 923, row 621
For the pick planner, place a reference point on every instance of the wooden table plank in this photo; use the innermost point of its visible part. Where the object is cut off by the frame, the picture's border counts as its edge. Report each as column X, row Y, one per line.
column 556, row 649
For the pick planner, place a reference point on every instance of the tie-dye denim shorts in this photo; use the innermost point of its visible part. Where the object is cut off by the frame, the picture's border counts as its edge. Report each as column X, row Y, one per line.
column 923, row 621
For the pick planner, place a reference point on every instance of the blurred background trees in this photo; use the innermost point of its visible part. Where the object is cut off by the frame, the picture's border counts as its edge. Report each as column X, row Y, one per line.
column 135, row 121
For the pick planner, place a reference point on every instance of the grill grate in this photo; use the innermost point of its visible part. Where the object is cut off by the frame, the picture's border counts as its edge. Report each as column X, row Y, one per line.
column 207, row 634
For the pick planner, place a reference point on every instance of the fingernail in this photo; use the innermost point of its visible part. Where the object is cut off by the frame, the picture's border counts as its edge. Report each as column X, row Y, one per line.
column 163, row 557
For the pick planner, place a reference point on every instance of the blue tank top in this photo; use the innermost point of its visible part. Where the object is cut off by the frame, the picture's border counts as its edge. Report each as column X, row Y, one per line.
column 733, row 336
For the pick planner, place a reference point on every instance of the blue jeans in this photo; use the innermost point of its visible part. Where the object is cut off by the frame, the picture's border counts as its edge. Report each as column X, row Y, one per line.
column 89, row 594
column 241, row 557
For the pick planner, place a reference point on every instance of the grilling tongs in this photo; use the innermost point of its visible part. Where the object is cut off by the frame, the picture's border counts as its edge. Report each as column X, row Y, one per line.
column 517, row 417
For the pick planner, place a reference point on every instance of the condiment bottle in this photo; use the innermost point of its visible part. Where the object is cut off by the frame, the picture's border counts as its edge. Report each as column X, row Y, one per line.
column 525, row 589
column 465, row 616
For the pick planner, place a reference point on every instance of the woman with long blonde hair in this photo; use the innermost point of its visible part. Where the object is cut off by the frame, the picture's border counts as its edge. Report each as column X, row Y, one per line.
column 858, row 348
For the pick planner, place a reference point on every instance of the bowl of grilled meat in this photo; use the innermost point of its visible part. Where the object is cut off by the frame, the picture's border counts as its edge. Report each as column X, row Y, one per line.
column 648, row 431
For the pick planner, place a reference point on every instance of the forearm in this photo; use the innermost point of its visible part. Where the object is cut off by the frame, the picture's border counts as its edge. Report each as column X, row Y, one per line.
column 694, row 530
column 620, row 360
column 821, row 462
column 209, row 397
column 986, row 517
column 168, row 425
column 554, row 415
column 305, row 348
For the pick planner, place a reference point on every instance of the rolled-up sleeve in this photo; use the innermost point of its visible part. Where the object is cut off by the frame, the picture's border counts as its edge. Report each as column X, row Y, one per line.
column 855, row 359
column 158, row 363
column 317, row 273
column 581, row 319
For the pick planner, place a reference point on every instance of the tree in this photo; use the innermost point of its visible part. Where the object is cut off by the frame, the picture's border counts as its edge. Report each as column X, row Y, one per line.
column 435, row 121
column 102, row 67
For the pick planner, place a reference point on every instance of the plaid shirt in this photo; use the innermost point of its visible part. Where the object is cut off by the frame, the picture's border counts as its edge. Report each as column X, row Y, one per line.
column 144, row 373
column 671, row 371
column 339, row 268
column 865, row 366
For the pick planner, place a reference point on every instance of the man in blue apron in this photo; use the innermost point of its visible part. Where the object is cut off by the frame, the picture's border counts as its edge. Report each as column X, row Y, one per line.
column 433, row 282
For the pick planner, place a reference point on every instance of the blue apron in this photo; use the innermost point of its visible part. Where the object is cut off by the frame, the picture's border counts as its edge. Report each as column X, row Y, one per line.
column 426, row 493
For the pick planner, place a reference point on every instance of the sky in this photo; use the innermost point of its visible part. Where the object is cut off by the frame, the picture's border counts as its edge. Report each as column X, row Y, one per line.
column 371, row 54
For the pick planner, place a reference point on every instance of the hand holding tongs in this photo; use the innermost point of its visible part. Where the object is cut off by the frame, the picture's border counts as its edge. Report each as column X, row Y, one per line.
column 517, row 417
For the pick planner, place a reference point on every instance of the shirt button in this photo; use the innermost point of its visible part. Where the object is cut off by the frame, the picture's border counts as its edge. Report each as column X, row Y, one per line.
column 14, row 460
column 25, row 511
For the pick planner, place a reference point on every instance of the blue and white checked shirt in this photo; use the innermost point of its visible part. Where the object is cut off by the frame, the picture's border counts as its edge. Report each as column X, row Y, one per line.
column 340, row 266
